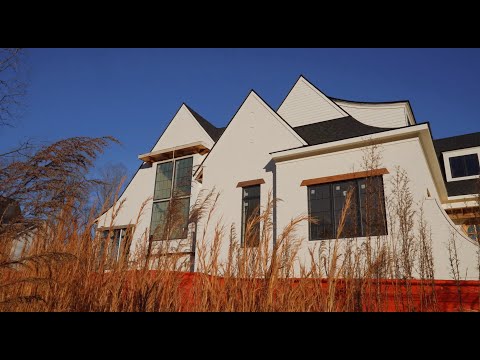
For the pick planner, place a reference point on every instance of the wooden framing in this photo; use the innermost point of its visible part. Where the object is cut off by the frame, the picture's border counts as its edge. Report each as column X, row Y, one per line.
column 115, row 227
column 341, row 177
column 242, row 184
column 179, row 151
column 464, row 213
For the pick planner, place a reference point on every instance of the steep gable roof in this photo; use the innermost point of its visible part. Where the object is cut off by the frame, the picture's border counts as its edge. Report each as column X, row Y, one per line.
column 306, row 104
column 211, row 129
column 457, row 142
column 335, row 129
column 282, row 121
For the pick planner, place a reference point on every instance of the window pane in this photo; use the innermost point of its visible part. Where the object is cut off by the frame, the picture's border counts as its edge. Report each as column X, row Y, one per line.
column 110, row 244
column 471, row 164
column 372, row 205
column 183, row 176
column 351, row 225
column 163, row 181
column 170, row 219
column 320, row 209
column 114, row 245
column 466, row 165
column 250, row 210
column 251, row 192
column 159, row 216
column 180, row 209
column 457, row 167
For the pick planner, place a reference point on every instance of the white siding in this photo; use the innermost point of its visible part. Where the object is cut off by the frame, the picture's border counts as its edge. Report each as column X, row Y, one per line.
column 305, row 105
column 379, row 115
column 183, row 129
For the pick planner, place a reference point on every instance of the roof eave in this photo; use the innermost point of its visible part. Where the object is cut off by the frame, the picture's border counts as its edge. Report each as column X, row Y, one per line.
column 421, row 131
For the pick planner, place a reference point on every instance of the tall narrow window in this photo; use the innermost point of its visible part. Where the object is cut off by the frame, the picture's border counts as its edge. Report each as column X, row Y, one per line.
column 364, row 214
column 466, row 165
column 183, row 177
column 320, row 199
column 163, row 181
column 250, row 213
column 171, row 199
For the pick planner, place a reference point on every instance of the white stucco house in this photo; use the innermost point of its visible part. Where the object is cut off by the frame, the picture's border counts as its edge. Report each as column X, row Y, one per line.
column 307, row 153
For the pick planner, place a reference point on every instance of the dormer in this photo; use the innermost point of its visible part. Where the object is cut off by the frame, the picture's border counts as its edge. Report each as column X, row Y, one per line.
column 459, row 158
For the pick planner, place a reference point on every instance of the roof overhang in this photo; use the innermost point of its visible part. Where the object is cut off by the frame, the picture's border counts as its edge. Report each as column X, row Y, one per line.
column 198, row 147
column 421, row 131
column 463, row 200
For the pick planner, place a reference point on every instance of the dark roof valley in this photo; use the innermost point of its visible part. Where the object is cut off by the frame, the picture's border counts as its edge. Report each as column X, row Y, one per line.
column 211, row 129
column 336, row 129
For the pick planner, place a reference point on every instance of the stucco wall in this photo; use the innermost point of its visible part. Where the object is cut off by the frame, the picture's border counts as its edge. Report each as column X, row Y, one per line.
column 242, row 154
column 408, row 155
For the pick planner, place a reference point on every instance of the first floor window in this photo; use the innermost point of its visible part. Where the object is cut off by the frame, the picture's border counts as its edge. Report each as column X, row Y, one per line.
column 250, row 214
column 365, row 214
column 473, row 231
column 170, row 219
column 171, row 199
column 113, row 243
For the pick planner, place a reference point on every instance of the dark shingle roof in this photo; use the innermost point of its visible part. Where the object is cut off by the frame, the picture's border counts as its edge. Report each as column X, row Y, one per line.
column 457, row 142
column 334, row 130
column 461, row 187
column 211, row 130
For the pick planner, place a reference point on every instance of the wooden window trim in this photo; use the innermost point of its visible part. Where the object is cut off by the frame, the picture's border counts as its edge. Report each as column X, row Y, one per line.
column 116, row 227
column 242, row 184
column 342, row 177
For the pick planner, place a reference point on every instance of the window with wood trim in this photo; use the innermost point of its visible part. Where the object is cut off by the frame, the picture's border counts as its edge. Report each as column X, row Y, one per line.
column 365, row 214
column 171, row 199
column 250, row 214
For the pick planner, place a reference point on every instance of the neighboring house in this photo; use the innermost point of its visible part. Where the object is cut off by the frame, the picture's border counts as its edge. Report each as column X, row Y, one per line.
column 12, row 222
column 9, row 211
column 308, row 153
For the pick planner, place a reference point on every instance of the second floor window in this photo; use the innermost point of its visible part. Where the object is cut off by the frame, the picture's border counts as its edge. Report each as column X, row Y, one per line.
column 466, row 165
column 171, row 199
column 365, row 215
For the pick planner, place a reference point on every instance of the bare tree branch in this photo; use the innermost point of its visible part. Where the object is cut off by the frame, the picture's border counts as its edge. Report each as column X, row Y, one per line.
column 12, row 85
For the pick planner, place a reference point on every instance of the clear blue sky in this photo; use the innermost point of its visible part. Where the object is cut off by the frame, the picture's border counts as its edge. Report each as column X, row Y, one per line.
column 132, row 94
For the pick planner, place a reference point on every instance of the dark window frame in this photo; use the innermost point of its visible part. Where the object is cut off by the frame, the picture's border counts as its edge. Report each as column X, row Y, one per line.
column 463, row 165
column 173, row 196
column 124, row 233
column 358, row 206
column 256, row 209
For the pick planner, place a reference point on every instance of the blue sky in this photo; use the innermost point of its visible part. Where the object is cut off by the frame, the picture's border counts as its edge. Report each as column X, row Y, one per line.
column 132, row 94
